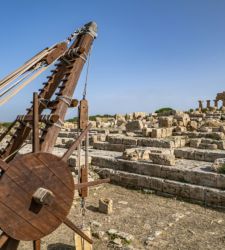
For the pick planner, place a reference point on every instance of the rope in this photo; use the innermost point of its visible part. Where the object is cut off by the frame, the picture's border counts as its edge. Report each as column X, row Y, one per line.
column 15, row 152
column 87, row 74
column 16, row 83
column 8, row 97
column 13, row 93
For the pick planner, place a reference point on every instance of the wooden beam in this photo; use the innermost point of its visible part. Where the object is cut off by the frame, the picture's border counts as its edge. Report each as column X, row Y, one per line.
column 78, row 231
column 36, row 141
column 75, row 143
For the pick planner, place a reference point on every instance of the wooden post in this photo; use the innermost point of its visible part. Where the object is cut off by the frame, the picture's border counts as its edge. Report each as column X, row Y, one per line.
column 36, row 143
column 36, row 245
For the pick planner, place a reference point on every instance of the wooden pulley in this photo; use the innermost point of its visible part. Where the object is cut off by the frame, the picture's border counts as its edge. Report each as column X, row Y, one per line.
column 83, row 114
column 36, row 194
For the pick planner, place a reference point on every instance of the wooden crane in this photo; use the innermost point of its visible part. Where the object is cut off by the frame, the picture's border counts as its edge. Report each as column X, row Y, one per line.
column 37, row 189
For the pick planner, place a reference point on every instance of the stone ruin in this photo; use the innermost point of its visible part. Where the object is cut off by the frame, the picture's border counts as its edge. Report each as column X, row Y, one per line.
column 174, row 153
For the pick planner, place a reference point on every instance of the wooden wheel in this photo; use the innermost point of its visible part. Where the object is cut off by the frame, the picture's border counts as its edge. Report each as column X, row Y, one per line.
column 22, row 215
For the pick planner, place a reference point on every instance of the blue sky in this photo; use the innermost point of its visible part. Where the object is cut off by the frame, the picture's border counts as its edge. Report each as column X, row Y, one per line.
column 148, row 54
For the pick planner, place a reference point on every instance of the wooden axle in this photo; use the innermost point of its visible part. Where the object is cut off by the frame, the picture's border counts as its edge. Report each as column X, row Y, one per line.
column 43, row 196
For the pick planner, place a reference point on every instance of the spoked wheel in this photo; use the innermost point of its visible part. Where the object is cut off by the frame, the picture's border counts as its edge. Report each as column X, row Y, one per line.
column 36, row 194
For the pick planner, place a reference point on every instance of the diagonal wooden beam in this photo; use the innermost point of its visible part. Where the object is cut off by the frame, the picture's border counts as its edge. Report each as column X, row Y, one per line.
column 75, row 144
column 77, row 230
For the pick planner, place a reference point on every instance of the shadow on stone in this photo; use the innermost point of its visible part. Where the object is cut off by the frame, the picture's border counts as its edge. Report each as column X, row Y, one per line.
column 60, row 246
column 93, row 208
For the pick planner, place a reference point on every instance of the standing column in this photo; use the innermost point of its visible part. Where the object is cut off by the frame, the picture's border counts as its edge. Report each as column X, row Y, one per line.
column 208, row 104
column 216, row 103
column 200, row 105
column 223, row 105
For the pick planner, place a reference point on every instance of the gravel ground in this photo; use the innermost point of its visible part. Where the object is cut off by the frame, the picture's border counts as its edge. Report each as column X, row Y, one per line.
column 155, row 223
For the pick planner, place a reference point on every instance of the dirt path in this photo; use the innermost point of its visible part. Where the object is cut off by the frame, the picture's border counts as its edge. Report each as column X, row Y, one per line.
column 155, row 223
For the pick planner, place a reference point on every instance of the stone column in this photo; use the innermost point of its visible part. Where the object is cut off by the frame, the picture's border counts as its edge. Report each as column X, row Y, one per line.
column 215, row 103
column 208, row 104
column 200, row 105
column 223, row 105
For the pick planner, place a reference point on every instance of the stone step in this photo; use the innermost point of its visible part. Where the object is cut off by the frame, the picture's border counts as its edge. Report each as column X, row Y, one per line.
column 182, row 172
column 199, row 154
column 195, row 134
column 192, row 193
column 172, row 142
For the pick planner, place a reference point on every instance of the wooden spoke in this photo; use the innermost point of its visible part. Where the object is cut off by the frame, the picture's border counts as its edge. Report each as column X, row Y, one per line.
column 91, row 183
column 37, row 245
column 10, row 244
column 3, row 239
column 77, row 230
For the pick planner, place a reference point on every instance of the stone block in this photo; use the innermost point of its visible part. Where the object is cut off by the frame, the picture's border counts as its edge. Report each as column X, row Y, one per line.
column 134, row 125
column 130, row 141
column 185, row 191
column 171, row 187
column 212, row 197
column 194, row 143
column 165, row 122
column 157, row 184
column 115, row 139
column 163, row 159
column 197, row 193
column 156, row 133
column 105, row 206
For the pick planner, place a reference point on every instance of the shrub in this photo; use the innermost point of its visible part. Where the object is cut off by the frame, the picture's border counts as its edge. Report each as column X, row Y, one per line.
column 162, row 110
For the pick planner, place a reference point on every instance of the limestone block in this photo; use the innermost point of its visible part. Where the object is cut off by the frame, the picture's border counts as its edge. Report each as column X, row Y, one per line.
column 144, row 181
column 134, row 125
column 216, row 135
column 222, row 129
column 212, row 197
column 192, row 125
column 114, row 139
column 198, row 156
column 219, row 165
column 180, row 129
column 146, row 131
column 220, row 144
column 129, row 141
column 182, row 119
column 185, row 191
column 105, row 206
column 139, row 115
column 156, row 133
column 135, row 154
column 205, row 129
column 153, row 142
column 220, row 181
column 163, row 159
column 207, row 146
column 171, row 187
column 197, row 193
column 165, row 122
column 157, row 184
